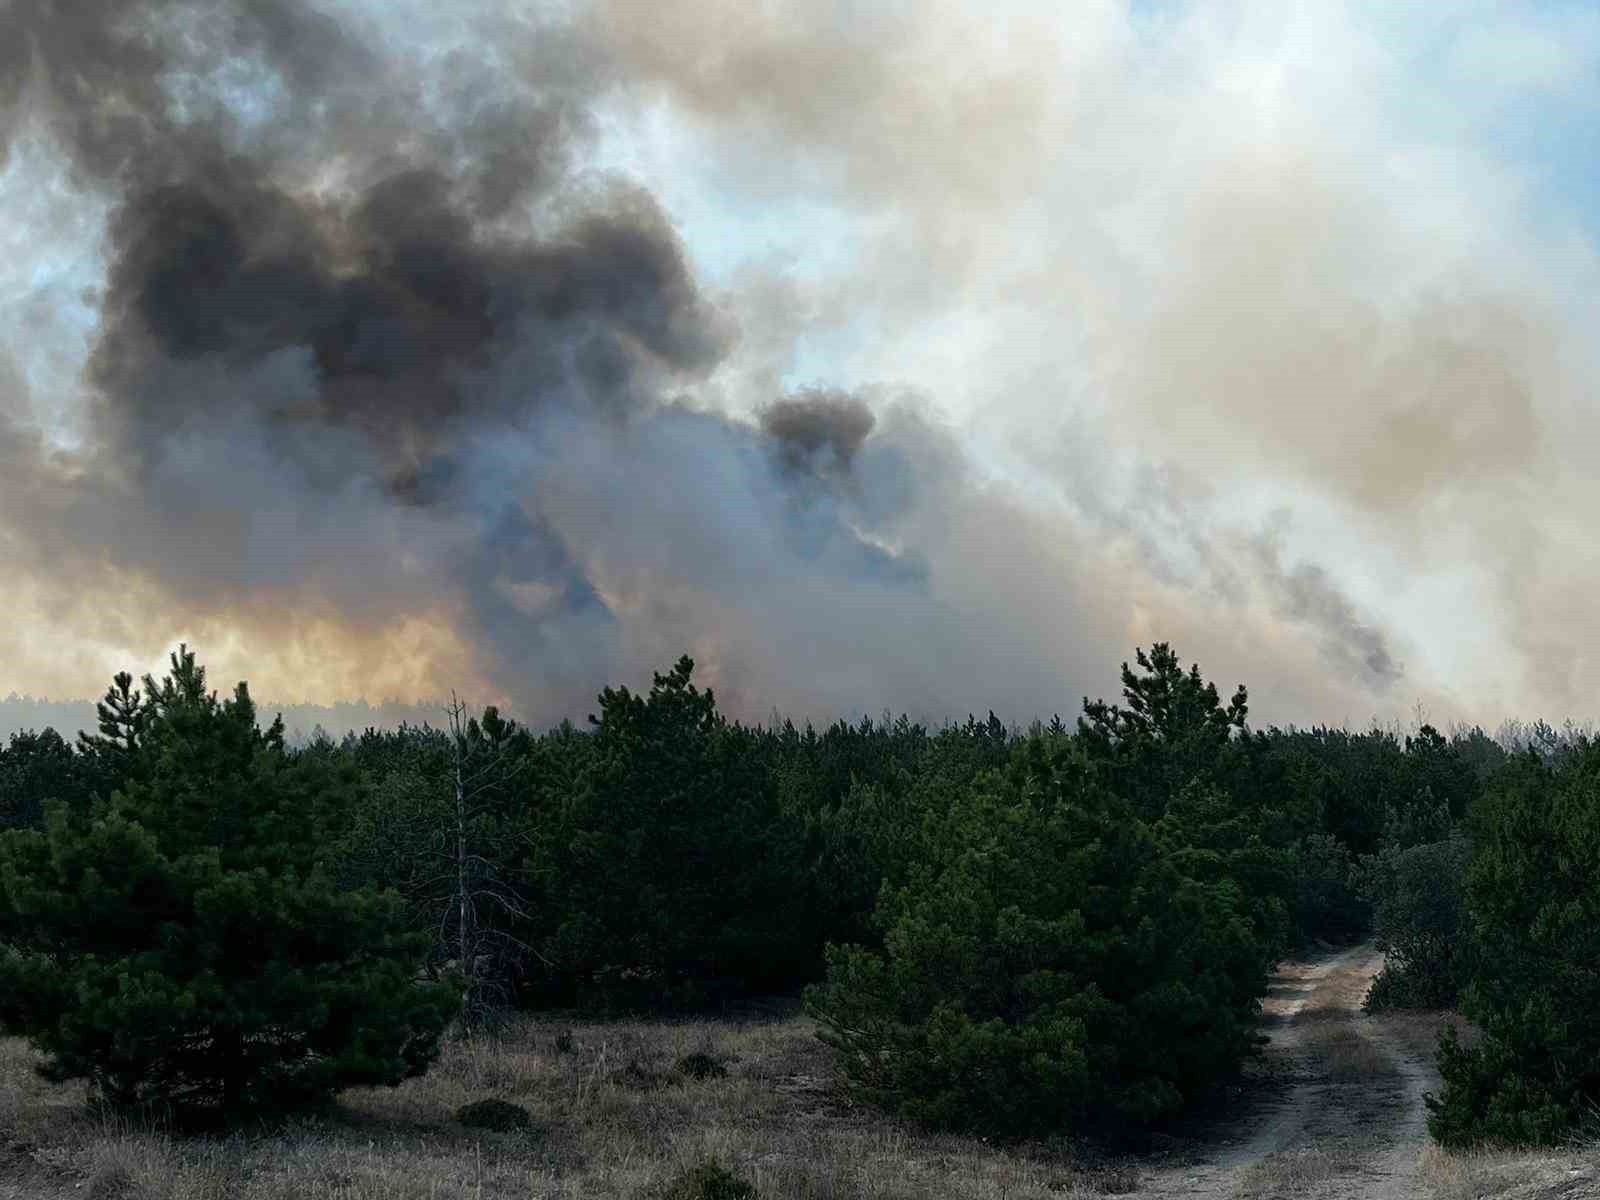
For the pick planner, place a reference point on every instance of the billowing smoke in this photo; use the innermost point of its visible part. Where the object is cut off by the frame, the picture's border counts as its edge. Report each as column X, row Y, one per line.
column 1326, row 261
column 818, row 432
column 318, row 322
column 388, row 390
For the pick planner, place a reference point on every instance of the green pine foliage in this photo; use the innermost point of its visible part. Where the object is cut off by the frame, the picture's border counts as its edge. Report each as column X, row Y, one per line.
column 180, row 942
column 1173, row 728
column 39, row 767
column 1533, row 911
column 670, row 875
column 1063, row 928
column 1416, row 897
column 1059, row 965
column 495, row 1114
column 709, row 1180
column 1333, row 798
column 1327, row 904
column 1085, row 940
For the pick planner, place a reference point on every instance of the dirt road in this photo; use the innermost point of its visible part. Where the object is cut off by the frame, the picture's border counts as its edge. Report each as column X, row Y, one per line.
column 1350, row 1121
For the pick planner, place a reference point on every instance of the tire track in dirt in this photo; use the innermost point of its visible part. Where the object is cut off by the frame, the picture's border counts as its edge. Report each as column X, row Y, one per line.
column 1352, row 1120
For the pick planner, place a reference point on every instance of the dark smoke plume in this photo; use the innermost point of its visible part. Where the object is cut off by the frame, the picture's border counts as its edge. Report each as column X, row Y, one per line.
column 347, row 350
column 818, row 431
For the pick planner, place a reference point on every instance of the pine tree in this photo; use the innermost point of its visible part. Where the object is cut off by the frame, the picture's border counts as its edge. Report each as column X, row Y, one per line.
column 1532, row 913
column 181, row 943
column 671, row 871
column 1053, row 963
column 37, row 767
column 122, row 715
column 1173, row 729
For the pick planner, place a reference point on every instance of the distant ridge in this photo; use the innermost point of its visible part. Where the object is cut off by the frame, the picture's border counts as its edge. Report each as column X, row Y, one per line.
column 301, row 721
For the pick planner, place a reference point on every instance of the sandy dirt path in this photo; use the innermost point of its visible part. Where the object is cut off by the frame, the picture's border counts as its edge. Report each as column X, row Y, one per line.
column 1350, row 1121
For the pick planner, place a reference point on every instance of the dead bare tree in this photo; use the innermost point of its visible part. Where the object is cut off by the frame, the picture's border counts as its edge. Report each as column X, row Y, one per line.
column 485, row 758
column 442, row 828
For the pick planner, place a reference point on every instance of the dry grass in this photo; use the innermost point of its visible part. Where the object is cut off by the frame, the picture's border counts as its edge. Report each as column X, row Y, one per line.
column 1344, row 1054
column 1510, row 1174
column 612, row 1116
column 1292, row 1172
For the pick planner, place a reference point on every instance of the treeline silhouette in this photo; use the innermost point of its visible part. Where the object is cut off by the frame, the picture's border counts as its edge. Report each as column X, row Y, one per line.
column 302, row 722
column 1008, row 929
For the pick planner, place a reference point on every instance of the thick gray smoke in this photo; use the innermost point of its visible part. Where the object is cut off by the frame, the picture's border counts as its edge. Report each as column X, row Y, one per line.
column 819, row 432
column 382, row 373
column 350, row 348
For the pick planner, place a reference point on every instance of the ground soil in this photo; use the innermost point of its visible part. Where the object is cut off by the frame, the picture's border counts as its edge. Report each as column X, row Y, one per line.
column 1337, row 1109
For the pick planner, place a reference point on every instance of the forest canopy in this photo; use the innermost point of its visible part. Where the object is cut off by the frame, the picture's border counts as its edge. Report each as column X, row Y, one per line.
column 997, row 928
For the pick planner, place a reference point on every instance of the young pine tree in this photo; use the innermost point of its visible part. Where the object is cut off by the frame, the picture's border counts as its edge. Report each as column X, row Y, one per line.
column 670, row 872
column 1532, row 913
column 181, row 944
column 1053, row 963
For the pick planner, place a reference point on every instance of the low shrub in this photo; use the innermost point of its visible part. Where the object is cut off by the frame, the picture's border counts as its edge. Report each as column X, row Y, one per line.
column 639, row 1077
column 500, row 1116
column 700, row 1065
column 1416, row 898
column 1394, row 989
column 1494, row 1092
column 710, row 1180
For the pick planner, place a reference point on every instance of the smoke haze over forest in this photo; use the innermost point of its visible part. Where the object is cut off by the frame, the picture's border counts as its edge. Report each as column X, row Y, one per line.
column 922, row 356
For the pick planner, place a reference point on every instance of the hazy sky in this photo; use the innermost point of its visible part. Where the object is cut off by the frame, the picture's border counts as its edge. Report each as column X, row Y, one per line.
column 921, row 355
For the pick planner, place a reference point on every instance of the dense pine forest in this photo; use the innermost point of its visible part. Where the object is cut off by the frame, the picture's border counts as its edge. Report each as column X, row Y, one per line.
column 1004, row 930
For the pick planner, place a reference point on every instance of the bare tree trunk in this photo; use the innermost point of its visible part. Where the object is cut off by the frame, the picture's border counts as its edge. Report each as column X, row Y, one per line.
column 465, row 948
column 477, row 770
